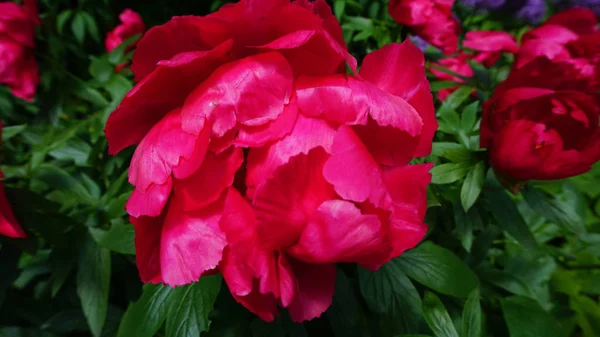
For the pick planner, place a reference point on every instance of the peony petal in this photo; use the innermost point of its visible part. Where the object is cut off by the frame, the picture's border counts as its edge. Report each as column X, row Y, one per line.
column 388, row 146
column 352, row 170
column 160, row 92
column 338, row 232
column 422, row 101
column 207, row 184
column 397, row 68
column 330, row 97
column 315, row 288
column 191, row 243
column 262, row 305
column 9, row 226
column 147, row 247
column 384, row 108
column 285, row 202
column 150, row 202
column 579, row 20
column 490, row 41
column 256, row 136
column 253, row 91
column 160, row 152
column 181, row 34
column 308, row 133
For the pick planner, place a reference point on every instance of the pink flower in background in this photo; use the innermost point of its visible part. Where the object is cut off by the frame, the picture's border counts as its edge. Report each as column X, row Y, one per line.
column 18, row 66
column 571, row 36
column 431, row 20
column 489, row 45
column 131, row 24
column 458, row 65
column 9, row 226
column 259, row 157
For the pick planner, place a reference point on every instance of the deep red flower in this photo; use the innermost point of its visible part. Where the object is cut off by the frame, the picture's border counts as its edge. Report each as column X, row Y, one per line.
column 542, row 123
column 18, row 67
column 570, row 36
column 432, row 20
column 489, row 45
column 458, row 65
column 131, row 25
column 260, row 158
column 9, row 226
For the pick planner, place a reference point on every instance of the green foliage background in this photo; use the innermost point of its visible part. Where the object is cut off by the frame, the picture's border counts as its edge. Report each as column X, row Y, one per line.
column 493, row 264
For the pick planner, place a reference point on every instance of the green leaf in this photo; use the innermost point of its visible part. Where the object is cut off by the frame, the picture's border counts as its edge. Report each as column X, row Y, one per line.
column 472, row 186
column 344, row 314
column 525, row 318
column 190, row 305
column 78, row 27
column 448, row 173
column 119, row 238
column 472, row 322
column 437, row 317
column 91, row 25
column 438, row 269
column 588, row 312
column 22, row 332
column 101, row 69
column 389, row 291
column 144, row 317
column 93, row 283
column 338, row 8
column 62, row 19
column 10, row 131
column 507, row 215
column 561, row 213
column 59, row 179
column 469, row 117
column 441, row 85
column 454, row 100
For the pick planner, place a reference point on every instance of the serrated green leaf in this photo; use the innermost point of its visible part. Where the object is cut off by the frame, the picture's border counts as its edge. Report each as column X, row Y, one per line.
column 119, row 238
column 190, row 305
column 472, row 320
column 78, row 27
column 454, row 100
column 144, row 317
column 437, row 317
column 559, row 212
column 389, row 291
column 471, row 188
column 525, row 318
column 469, row 116
column 438, row 269
column 448, row 173
column 93, row 283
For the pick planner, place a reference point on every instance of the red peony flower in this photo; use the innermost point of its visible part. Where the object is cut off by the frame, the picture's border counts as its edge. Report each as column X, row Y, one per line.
column 458, row 65
column 489, row 45
column 432, row 20
column 542, row 123
column 260, row 158
column 570, row 36
column 131, row 24
column 18, row 67
column 9, row 226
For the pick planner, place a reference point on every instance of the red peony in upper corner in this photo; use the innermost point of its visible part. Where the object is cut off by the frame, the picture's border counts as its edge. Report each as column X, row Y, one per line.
column 18, row 66
column 9, row 226
column 259, row 157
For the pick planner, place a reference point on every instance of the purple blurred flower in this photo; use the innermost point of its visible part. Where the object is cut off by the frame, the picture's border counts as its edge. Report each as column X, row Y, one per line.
column 594, row 5
column 484, row 4
column 419, row 42
column 532, row 11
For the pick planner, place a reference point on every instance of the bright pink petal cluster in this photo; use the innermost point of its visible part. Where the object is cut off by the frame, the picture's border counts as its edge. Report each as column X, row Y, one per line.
column 489, row 45
column 260, row 158
column 432, row 20
column 571, row 36
column 18, row 66
column 9, row 226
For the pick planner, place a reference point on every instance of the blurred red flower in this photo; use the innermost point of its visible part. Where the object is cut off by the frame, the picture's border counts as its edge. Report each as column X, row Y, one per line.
column 18, row 66
column 489, row 45
column 9, row 226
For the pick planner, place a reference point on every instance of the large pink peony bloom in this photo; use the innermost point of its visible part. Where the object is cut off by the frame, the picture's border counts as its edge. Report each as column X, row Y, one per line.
column 260, row 158
column 18, row 67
